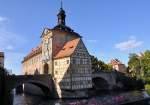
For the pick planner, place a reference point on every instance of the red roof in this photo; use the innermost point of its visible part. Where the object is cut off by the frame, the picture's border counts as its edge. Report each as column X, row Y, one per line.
column 65, row 51
column 68, row 48
column 33, row 52
column 115, row 62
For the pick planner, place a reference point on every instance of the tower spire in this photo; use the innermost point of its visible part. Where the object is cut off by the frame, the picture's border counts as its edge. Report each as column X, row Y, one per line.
column 61, row 4
column 61, row 22
column 61, row 15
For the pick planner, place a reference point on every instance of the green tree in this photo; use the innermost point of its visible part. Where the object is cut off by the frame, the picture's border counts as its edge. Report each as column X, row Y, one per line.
column 94, row 62
column 133, row 65
column 145, row 65
column 139, row 65
column 99, row 65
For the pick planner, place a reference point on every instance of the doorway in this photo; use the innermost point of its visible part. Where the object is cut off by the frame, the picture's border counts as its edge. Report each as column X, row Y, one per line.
column 46, row 68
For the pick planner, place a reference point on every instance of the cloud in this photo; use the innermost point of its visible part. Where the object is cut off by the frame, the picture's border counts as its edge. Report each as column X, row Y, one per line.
column 10, row 40
column 9, row 47
column 131, row 43
column 10, row 43
column 2, row 19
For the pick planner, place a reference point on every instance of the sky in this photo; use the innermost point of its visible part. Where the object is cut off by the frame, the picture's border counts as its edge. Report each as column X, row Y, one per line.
column 110, row 28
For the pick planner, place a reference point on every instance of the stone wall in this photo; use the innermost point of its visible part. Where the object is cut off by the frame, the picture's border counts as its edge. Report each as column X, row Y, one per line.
column 33, row 64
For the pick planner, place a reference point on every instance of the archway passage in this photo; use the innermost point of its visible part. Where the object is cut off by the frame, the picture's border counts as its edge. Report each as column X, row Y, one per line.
column 46, row 68
column 36, row 72
column 46, row 91
column 9, row 92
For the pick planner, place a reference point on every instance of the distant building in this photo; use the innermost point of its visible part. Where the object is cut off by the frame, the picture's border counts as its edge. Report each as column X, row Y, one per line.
column 62, row 54
column 2, row 59
column 118, row 65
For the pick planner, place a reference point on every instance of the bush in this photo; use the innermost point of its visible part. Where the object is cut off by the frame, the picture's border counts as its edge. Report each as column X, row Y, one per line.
column 147, row 88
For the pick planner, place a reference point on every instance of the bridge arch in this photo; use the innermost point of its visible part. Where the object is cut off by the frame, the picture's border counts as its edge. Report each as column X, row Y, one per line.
column 45, row 89
column 100, row 83
column 44, row 82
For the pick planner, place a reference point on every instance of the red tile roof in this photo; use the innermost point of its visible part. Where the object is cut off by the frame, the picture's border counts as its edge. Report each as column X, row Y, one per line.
column 33, row 52
column 67, row 49
column 59, row 32
column 115, row 62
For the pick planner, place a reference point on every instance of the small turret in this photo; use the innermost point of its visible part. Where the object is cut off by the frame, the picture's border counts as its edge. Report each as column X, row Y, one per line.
column 61, row 20
column 61, row 16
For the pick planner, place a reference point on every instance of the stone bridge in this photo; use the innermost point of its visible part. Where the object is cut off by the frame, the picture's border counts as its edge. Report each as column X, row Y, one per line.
column 45, row 82
column 104, row 80
column 10, row 82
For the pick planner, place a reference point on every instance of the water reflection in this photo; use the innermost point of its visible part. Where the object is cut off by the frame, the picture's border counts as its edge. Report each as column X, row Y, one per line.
column 24, row 99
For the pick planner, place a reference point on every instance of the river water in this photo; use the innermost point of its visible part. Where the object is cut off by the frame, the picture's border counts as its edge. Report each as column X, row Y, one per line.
column 24, row 99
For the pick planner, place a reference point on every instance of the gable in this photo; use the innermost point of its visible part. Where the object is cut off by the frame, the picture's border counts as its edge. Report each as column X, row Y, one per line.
column 68, row 48
column 81, row 50
column 46, row 31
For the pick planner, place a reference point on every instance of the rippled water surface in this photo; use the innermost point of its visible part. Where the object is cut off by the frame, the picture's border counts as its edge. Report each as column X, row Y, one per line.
column 24, row 99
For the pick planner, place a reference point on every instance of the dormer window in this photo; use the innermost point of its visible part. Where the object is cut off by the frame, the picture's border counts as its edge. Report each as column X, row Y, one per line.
column 71, row 46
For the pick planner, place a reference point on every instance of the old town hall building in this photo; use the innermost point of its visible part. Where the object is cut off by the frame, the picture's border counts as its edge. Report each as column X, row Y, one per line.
column 62, row 54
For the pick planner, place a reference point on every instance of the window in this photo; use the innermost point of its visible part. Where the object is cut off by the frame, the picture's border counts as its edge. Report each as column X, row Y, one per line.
column 87, row 61
column 73, row 61
column 77, row 61
column 67, row 61
column 81, row 61
column 56, row 72
column 84, row 61
column 55, row 63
